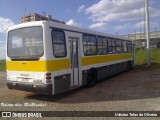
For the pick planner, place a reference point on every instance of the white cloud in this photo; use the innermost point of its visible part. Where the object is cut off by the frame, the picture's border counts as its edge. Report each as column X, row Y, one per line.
column 98, row 25
column 73, row 23
column 122, row 27
column 2, row 45
column 154, row 24
column 141, row 24
column 118, row 10
column 81, row 8
column 154, row 12
column 138, row 26
column 5, row 23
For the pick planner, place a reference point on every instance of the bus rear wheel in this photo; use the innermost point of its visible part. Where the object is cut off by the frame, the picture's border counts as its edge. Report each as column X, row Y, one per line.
column 129, row 66
column 92, row 78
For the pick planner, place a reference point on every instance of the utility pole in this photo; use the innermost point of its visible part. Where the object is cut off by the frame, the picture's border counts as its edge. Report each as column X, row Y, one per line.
column 140, row 21
column 134, row 35
column 147, row 31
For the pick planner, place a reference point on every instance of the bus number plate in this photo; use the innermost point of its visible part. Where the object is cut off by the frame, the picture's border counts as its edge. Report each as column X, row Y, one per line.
column 24, row 80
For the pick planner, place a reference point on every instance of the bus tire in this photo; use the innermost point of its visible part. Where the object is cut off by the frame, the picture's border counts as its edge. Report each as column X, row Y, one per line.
column 91, row 78
column 129, row 66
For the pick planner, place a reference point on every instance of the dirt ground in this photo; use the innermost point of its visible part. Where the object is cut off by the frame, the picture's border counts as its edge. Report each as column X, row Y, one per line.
column 136, row 90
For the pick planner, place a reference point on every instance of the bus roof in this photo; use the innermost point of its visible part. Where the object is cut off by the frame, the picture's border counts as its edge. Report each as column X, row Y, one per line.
column 67, row 28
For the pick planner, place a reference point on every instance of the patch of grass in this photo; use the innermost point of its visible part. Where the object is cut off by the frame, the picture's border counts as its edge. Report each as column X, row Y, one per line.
column 141, row 58
column 2, row 65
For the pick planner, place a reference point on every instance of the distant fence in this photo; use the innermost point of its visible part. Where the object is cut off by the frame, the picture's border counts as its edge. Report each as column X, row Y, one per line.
column 2, row 65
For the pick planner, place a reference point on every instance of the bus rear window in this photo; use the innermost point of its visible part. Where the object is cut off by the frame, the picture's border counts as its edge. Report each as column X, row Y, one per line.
column 25, row 43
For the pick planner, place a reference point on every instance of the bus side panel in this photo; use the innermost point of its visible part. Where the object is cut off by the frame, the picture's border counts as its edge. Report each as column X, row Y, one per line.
column 62, row 83
column 110, row 70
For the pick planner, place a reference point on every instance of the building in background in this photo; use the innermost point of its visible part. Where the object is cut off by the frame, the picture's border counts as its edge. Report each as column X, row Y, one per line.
column 38, row 17
column 140, row 39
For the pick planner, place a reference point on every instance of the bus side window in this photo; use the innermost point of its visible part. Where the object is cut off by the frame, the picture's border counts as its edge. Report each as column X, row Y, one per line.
column 59, row 45
column 129, row 46
column 118, row 46
column 102, row 45
column 124, row 45
column 89, row 45
column 111, row 46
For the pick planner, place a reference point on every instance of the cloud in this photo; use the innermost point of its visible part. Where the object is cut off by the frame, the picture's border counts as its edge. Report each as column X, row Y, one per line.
column 73, row 23
column 81, row 8
column 118, row 10
column 141, row 24
column 98, row 25
column 137, row 26
column 5, row 23
column 122, row 27
column 2, row 45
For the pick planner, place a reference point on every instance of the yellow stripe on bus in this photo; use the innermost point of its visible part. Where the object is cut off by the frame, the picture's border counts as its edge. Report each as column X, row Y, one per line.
column 55, row 65
column 102, row 59
column 39, row 66
column 62, row 64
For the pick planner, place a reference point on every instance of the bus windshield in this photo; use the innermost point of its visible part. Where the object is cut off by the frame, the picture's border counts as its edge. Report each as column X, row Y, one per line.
column 25, row 43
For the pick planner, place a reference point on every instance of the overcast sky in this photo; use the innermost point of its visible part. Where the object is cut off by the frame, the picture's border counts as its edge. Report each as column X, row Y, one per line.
column 109, row 16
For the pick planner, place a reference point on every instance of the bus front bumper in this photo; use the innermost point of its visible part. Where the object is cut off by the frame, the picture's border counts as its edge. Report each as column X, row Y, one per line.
column 30, row 87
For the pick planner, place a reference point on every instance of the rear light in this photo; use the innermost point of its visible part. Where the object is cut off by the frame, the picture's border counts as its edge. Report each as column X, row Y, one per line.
column 48, row 74
column 48, row 81
column 48, row 77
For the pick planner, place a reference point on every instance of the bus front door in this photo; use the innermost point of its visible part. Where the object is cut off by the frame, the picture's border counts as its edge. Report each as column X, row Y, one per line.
column 74, row 46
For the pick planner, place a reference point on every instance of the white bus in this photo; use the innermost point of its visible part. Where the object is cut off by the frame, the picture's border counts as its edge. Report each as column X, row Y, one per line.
column 50, row 58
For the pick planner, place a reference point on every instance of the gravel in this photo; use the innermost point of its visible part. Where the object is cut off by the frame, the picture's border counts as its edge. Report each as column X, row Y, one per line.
column 136, row 90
